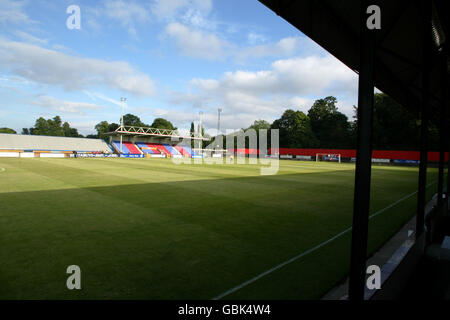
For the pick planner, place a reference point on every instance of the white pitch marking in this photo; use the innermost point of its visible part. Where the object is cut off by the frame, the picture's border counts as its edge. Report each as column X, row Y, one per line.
column 246, row 283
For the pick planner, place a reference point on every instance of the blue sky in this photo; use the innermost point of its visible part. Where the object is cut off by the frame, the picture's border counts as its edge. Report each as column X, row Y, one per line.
column 169, row 58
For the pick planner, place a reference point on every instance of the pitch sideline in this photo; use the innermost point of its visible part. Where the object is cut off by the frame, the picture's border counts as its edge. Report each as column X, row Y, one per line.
column 246, row 283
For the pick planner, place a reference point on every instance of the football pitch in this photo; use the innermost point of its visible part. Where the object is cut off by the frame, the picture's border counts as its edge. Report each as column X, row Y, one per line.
column 152, row 229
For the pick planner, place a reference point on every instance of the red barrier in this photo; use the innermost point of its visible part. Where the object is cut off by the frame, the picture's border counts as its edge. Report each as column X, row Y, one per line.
column 246, row 151
column 378, row 154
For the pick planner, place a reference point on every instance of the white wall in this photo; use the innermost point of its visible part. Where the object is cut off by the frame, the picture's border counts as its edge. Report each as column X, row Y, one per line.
column 27, row 155
column 9, row 154
column 52, row 155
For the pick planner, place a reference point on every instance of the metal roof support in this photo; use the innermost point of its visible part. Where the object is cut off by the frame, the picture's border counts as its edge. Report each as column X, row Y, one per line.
column 443, row 134
column 447, row 134
column 361, row 199
column 448, row 160
column 426, row 66
column 442, row 130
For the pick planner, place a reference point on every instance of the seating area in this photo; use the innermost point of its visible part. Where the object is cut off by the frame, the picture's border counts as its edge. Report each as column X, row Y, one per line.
column 124, row 150
column 14, row 145
column 182, row 151
column 171, row 149
column 191, row 152
column 154, row 149
column 49, row 143
column 132, row 148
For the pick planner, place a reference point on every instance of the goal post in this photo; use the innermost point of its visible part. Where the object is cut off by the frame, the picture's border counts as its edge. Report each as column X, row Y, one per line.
column 331, row 157
column 211, row 153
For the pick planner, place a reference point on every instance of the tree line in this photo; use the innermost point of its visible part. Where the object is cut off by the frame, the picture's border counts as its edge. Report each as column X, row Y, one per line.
column 55, row 127
column 129, row 120
column 52, row 127
column 323, row 126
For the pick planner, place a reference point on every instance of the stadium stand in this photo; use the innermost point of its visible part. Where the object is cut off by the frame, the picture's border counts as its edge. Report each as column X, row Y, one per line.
column 172, row 150
column 189, row 150
column 161, row 149
column 183, row 151
column 146, row 149
column 132, row 148
column 47, row 143
column 116, row 145
column 127, row 147
column 153, row 148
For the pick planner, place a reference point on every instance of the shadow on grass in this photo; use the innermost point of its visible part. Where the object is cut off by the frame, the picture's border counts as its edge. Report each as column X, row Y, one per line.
column 179, row 240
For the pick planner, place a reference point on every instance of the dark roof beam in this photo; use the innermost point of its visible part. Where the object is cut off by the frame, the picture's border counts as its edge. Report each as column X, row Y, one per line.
column 387, row 30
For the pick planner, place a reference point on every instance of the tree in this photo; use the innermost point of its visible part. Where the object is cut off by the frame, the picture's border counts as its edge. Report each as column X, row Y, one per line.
column 260, row 124
column 192, row 132
column 66, row 129
column 330, row 126
column 112, row 127
column 7, row 130
column 70, row 132
column 55, row 127
column 295, row 130
column 160, row 123
column 395, row 127
column 102, row 128
column 132, row 120
column 52, row 127
column 41, row 127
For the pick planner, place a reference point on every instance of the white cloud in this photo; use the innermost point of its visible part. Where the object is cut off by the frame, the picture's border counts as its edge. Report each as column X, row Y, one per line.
column 84, row 127
column 60, row 47
column 166, row 9
column 254, row 38
column 95, row 95
column 128, row 14
column 198, row 43
column 310, row 75
column 289, row 83
column 191, row 26
column 63, row 105
column 51, row 67
column 283, row 48
column 11, row 12
column 90, row 95
column 197, row 19
column 26, row 37
column 314, row 74
column 187, row 98
column 195, row 43
column 14, row 80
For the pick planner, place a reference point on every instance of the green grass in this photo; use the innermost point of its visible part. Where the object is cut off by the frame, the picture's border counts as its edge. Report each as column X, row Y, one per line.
column 150, row 229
